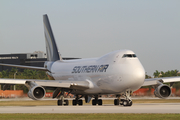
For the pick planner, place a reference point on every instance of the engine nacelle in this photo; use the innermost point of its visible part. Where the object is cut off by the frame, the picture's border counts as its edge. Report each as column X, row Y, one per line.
column 37, row 92
column 162, row 91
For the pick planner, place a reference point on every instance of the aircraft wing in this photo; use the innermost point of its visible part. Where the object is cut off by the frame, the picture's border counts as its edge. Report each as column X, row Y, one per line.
column 156, row 81
column 79, row 85
column 25, row 67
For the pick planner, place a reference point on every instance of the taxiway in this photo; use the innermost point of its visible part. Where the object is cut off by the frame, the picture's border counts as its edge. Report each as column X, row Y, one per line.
column 135, row 108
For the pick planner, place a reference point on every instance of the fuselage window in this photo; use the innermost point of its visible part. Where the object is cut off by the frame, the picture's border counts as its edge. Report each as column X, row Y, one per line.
column 129, row 56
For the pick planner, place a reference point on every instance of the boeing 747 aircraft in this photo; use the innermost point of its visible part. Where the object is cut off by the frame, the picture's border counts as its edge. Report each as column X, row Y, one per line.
column 119, row 72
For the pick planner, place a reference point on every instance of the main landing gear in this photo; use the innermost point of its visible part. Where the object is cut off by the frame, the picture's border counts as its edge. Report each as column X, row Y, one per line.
column 65, row 102
column 125, row 102
column 77, row 100
column 61, row 100
column 96, row 101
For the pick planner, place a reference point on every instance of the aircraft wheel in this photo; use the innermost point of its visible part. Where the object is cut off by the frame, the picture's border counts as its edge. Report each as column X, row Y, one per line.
column 100, row 102
column 93, row 102
column 130, row 103
column 59, row 102
column 66, row 102
column 74, row 102
column 125, row 103
column 121, row 101
column 80, row 102
column 116, row 101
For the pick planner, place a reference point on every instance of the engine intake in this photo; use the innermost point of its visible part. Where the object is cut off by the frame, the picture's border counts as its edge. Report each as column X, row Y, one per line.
column 37, row 92
column 162, row 91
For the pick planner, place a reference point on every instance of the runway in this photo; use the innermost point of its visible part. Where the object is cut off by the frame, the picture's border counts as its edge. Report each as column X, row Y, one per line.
column 135, row 108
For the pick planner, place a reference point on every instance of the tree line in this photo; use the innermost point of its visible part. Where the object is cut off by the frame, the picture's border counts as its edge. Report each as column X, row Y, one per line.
column 26, row 74
column 172, row 73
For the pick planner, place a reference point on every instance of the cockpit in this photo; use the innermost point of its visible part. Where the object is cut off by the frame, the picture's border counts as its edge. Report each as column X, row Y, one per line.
column 129, row 56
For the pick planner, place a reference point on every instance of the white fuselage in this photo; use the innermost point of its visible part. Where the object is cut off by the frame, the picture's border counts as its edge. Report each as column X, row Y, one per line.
column 110, row 74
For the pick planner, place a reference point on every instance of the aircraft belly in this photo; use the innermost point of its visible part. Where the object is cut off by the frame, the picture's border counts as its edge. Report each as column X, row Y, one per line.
column 107, row 84
column 99, row 84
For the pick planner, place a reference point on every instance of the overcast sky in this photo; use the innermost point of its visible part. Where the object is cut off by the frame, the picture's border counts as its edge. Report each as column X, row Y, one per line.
column 92, row 28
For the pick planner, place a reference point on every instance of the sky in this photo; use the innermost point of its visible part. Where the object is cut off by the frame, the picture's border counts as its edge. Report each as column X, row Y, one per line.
column 92, row 28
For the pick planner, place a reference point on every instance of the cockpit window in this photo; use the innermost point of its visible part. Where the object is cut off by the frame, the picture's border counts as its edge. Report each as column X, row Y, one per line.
column 134, row 55
column 129, row 56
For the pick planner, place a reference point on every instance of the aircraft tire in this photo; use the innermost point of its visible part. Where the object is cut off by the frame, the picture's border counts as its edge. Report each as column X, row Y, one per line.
column 59, row 102
column 66, row 102
column 74, row 102
column 130, row 103
column 80, row 102
column 125, row 103
column 116, row 101
column 121, row 102
column 100, row 102
column 93, row 102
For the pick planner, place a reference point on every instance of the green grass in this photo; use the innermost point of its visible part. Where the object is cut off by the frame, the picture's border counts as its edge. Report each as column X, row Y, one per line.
column 54, row 102
column 90, row 116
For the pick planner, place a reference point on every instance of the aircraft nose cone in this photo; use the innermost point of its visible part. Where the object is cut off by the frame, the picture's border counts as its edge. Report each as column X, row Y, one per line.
column 138, row 78
column 140, row 74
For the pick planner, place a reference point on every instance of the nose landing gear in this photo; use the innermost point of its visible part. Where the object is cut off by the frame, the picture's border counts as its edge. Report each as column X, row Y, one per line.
column 125, row 102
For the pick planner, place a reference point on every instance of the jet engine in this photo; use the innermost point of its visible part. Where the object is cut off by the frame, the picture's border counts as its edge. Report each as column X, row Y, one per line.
column 37, row 92
column 162, row 91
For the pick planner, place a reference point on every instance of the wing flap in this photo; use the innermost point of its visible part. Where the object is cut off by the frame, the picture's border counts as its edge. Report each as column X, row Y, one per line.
column 12, row 81
column 80, row 85
column 52, row 83
column 71, row 84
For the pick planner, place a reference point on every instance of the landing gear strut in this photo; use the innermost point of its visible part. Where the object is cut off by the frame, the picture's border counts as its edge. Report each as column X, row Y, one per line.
column 77, row 101
column 125, row 102
column 96, row 101
column 61, row 100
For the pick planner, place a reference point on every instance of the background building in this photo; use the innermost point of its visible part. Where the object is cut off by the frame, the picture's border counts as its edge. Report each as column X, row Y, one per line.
column 36, row 58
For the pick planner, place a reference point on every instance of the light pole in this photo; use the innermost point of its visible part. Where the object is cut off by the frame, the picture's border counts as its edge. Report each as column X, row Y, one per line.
column 15, row 78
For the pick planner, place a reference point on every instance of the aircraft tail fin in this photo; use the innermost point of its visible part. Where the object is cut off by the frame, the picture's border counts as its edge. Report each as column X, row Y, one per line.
column 51, row 47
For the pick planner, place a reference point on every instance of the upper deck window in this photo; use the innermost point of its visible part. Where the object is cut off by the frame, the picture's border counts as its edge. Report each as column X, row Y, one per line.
column 129, row 56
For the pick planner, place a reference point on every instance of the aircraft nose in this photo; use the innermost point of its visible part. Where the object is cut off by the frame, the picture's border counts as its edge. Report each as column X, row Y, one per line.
column 140, row 74
column 138, row 78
